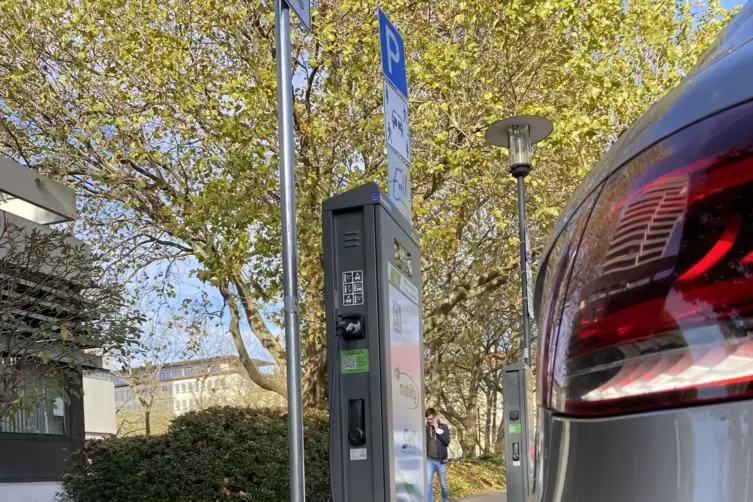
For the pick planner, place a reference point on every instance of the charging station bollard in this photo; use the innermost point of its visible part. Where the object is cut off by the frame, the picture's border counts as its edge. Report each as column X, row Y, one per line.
column 518, row 386
column 375, row 349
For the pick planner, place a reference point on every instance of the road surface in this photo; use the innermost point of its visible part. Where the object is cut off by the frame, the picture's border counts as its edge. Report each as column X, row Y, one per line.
column 488, row 497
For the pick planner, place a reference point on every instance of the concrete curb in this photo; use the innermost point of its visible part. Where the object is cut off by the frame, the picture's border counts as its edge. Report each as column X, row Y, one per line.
column 487, row 497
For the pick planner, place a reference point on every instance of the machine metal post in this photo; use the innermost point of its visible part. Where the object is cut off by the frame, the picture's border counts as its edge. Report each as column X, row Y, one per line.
column 289, row 250
column 519, row 427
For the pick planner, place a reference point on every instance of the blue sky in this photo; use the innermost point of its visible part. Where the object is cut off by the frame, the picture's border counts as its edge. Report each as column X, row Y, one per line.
column 731, row 4
column 187, row 286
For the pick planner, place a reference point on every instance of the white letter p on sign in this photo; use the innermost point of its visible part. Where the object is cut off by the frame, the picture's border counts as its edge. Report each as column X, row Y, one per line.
column 393, row 49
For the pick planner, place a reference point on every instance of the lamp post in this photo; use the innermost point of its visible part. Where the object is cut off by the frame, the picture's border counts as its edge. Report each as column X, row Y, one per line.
column 517, row 134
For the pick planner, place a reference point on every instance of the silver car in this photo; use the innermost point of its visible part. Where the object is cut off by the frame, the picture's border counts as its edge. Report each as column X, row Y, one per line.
column 644, row 302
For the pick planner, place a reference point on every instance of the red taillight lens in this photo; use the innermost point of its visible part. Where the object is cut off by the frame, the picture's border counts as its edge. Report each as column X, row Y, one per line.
column 658, row 309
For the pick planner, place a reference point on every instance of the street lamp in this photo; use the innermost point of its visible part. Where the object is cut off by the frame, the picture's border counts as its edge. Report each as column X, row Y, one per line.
column 517, row 134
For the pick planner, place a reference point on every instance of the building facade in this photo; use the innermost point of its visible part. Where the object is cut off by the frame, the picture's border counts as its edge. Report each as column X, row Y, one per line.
column 35, row 444
column 99, row 404
column 168, row 390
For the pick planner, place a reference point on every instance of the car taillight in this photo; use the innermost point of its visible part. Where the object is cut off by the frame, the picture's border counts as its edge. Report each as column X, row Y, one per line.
column 658, row 310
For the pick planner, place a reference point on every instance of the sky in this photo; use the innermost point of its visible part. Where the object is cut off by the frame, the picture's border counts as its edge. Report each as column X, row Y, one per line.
column 188, row 286
column 731, row 4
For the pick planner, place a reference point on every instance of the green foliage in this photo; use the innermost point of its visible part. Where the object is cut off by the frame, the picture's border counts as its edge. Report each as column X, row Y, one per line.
column 467, row 477
column 221, row 454
column 164, row 116
column 225, row 454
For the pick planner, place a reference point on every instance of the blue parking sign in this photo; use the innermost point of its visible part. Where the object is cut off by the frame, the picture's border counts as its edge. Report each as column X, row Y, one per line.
column 393, row 54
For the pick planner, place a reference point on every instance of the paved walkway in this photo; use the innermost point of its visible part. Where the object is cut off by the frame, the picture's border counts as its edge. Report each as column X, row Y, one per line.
column 488, row 497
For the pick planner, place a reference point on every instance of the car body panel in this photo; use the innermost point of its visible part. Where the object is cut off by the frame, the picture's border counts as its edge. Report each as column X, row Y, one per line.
column 700, row 454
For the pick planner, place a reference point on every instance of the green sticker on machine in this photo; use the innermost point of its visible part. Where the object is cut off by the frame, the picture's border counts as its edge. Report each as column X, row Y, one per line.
column 395, row 277
column 516, row 429
column 354, row 361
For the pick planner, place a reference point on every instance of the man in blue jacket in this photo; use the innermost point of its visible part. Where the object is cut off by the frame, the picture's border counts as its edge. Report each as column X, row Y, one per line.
column 437, row 441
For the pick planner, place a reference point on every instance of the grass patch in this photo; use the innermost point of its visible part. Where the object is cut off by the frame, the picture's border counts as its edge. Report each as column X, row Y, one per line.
column 468, row 477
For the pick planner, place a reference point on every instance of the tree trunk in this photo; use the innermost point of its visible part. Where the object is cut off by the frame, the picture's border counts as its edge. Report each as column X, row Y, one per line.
column 493, row 436
column 248, row 363
column 470, row 423
column 499, row 445
column 148, row 422
column 316, row 363
column 315, row 336
column 478, row 429
column 434, row 386
column 487, row 425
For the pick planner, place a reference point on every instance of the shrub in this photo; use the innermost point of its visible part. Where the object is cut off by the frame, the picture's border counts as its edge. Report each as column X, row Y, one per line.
column 226, row 454
column 221, row 454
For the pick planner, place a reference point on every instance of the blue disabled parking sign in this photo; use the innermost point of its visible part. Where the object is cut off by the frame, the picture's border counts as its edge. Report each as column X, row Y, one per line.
column 393, row 54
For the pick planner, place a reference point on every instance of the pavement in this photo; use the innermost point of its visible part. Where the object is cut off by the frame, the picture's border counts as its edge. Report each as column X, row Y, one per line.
column 487, row 497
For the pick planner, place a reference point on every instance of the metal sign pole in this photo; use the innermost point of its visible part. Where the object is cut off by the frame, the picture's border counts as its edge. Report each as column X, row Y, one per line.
column 289, row 249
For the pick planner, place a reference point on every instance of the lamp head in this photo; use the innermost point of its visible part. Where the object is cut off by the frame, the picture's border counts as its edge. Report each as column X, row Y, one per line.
column 517, row 134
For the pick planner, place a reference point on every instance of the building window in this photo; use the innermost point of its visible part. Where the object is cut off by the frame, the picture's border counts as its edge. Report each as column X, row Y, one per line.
column 177, row 406
column 183, row 388
column 47, row 418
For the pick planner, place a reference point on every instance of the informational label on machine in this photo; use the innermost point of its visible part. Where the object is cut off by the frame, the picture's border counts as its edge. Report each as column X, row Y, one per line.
column 352, row 288
column 354, row 361
column 402, row 283
column 358, row 454
column 407, row 405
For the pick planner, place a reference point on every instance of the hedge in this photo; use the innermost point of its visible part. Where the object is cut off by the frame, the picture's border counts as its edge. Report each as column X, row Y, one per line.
column 226, row 454
column 221, row 454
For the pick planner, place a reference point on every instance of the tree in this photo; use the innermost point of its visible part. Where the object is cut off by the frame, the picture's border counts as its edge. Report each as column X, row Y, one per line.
column 152, row 404
column 164, row 117
column 55, row 307
column 485, row 339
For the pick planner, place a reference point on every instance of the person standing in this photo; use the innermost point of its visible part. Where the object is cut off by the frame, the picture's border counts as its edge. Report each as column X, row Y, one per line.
column 437, row 441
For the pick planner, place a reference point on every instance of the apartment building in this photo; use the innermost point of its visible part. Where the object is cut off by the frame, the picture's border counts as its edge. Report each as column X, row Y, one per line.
column 35, row 444
column 99, row 403
column 168, row 390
